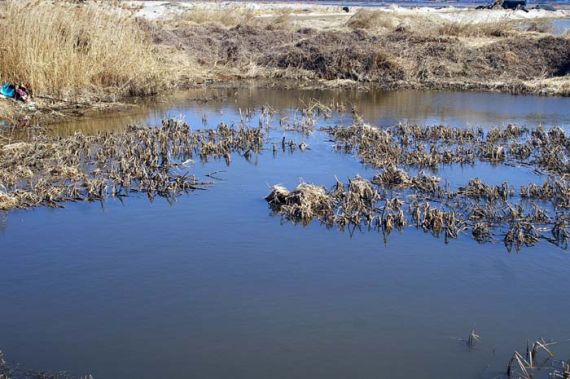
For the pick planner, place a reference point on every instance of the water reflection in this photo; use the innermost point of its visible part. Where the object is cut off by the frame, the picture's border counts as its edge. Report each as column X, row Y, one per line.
column 377, row 107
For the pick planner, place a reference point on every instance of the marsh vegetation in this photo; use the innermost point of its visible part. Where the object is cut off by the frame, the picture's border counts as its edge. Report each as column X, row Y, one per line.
column 48, row 171
column 172, row 261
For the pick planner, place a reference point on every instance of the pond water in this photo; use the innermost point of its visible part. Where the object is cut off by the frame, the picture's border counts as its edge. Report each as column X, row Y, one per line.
column 561, row 26
column 215, row 286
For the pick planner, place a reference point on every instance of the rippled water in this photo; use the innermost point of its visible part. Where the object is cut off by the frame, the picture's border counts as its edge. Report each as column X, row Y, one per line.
column 214, row 286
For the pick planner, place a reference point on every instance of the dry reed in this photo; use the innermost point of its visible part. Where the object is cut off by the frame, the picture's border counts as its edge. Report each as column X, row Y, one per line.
column 50, row 170
column 76, row 50
column 426, row 24
column 395, row 198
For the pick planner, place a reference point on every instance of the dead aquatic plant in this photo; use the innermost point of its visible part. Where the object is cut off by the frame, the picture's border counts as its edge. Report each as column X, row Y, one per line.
column 393, row 199
column 341, row 206
column 505, row 134
column 309, row 113
column 563, row 372
column 472, row 340
column 477, row 189
column 4, row 370
column 560, row 232
column 520, row 366
column 392, row 215
column 432, row 146
column 357, row 203
column 521, row 233
column 393, row 177
column 51, row 170
column 375, row 146
column 17, row 372
column 306, row 203
column 436, row 220
column 481, row 232
column 225, row 140
column 492, row 153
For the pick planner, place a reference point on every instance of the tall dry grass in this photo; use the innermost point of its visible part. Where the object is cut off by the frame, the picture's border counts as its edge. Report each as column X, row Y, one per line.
column 372, row 20
column 69, row 50
column 231, row 16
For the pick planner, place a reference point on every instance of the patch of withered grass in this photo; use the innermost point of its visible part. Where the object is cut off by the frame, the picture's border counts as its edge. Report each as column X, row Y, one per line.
column 372, row 20
column 77, row 50
column 426, row 24
column 230, row 17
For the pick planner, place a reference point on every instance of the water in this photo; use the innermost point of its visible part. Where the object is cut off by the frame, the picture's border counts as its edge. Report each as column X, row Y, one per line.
column 561, row 26
column 427, row 3
column 214, row 286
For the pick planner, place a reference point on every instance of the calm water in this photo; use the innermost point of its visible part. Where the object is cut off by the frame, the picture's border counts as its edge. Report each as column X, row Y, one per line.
column 214, row 286
column 421, row 3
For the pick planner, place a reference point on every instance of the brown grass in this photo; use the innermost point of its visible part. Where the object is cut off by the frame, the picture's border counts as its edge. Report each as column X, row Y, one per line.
column 76, row 50
column 230, row 17
column 379, row 20
column 372, row 20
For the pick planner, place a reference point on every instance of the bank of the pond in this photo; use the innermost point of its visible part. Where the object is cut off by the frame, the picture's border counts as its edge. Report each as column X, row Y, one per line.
column 152, row 48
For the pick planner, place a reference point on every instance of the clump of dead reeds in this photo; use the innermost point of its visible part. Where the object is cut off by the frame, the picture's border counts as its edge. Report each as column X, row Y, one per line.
column 70, row 50
column 342, row 205
column 52, row 170
column 433, row 146
column 523, row 366
column 477, row 189
column 306, row 203
column 393, row 177
column 488, row 211
column 4, row 370
column 357, row 203
column 426, row 24
column 372, row 20
column 230, row 16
